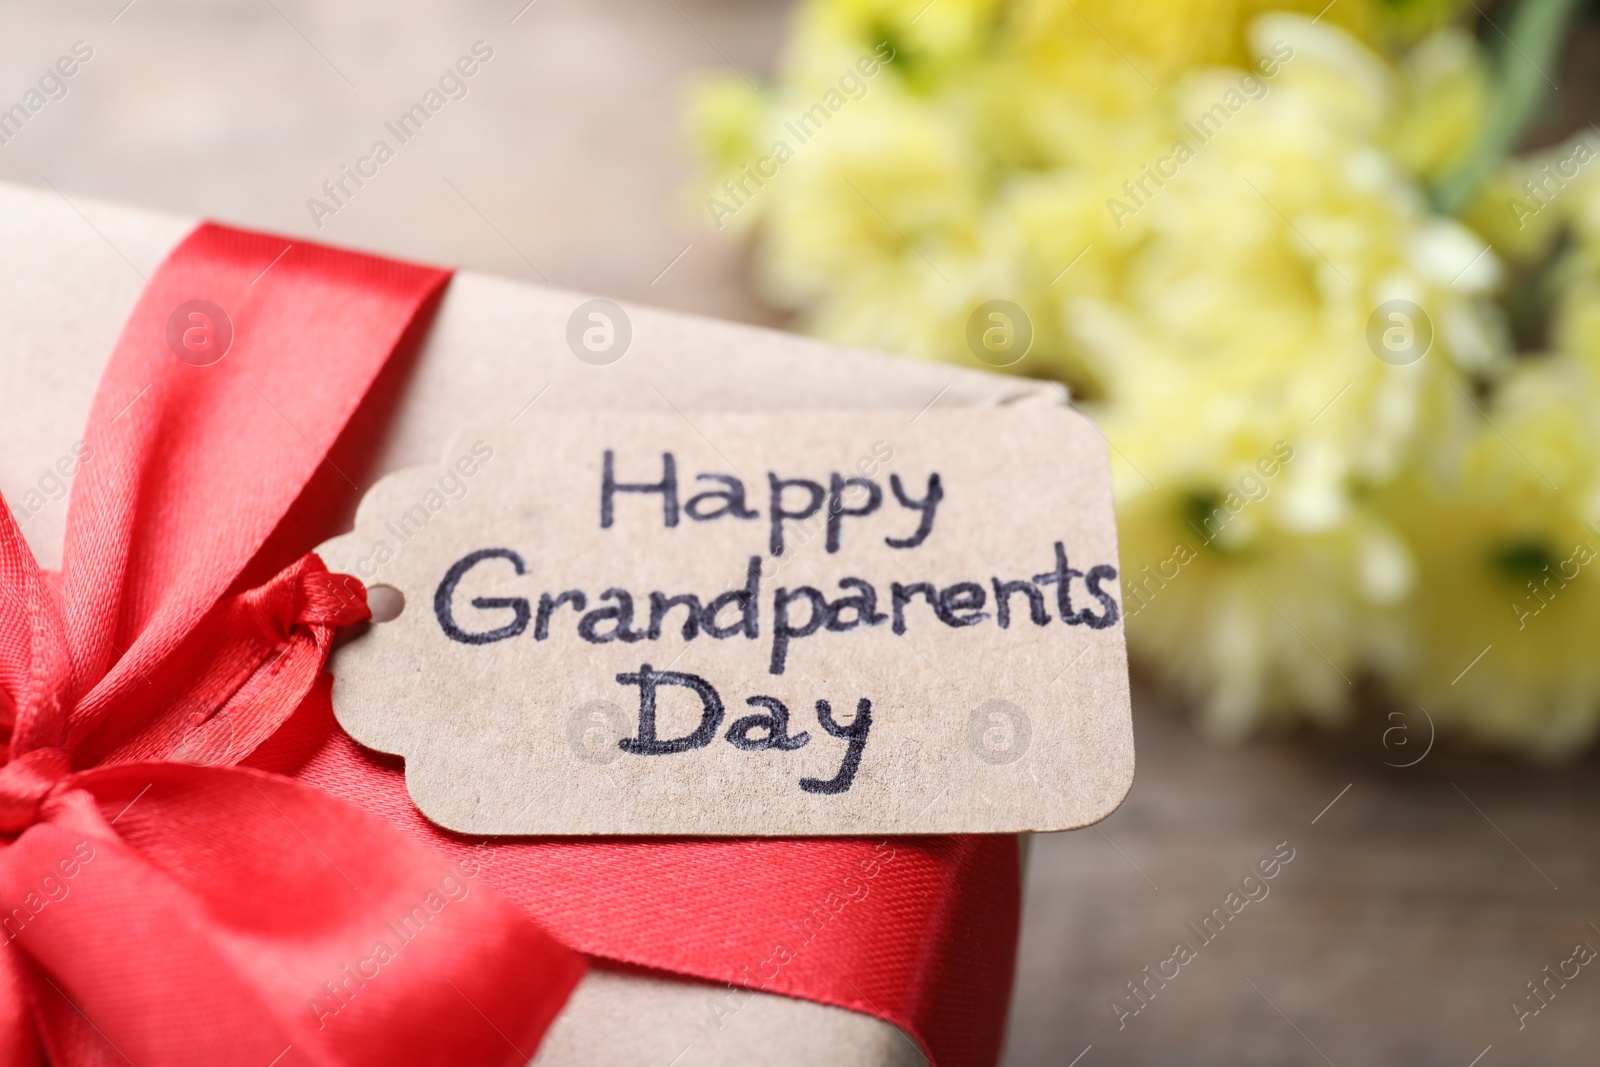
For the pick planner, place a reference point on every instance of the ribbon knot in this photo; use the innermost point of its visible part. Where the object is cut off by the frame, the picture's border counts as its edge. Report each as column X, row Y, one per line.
column 305, row 595
column 26, row 781
column 328, row 599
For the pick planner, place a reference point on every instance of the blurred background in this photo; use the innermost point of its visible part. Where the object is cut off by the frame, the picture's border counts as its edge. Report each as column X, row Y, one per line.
column 1343, row 341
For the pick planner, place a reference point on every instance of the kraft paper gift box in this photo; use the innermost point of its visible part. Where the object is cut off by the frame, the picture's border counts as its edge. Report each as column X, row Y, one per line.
column 70, row 273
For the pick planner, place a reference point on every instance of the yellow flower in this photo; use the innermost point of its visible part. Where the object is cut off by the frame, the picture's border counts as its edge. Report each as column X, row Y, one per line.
column 1329, row 463
column 727, row 116
column 1447, row 83
column 1508, row 565
column 1527, row 207
column 1165, row 39
column 1237, row 327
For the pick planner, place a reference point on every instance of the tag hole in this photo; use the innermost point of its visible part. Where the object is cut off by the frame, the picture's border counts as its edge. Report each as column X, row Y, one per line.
column 386, row 602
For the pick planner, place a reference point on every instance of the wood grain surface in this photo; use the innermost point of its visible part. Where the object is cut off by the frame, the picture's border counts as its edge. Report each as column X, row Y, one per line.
column 1416, row 906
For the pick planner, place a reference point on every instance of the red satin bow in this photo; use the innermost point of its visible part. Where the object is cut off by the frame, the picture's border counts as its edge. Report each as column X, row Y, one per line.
column 184, row 914
column 160, row 912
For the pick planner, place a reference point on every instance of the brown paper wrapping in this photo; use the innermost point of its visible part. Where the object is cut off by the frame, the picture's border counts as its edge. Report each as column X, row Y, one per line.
column 70, row 273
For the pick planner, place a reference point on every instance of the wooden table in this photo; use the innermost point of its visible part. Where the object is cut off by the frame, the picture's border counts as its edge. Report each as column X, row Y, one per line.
column 1415, row 907
column 1418, row 903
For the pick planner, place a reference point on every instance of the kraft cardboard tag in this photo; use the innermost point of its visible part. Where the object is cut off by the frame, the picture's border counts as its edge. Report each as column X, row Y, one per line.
column 796, row 623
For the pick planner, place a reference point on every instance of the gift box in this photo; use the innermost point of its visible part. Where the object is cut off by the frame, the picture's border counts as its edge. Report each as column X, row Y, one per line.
column 71, row 272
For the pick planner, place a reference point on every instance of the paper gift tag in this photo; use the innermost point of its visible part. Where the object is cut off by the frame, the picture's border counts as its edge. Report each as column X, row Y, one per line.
column 796, row 623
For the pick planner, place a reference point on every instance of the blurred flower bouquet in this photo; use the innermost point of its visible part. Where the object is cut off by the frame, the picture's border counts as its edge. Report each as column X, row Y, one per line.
column 1344, row 345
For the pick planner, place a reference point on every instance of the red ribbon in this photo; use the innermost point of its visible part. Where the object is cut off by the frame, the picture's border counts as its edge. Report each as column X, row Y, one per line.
column 265, row 906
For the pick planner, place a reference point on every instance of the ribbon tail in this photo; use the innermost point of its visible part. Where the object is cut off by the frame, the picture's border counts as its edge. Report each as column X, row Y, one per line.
column 197, row 916
column 922, row 933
